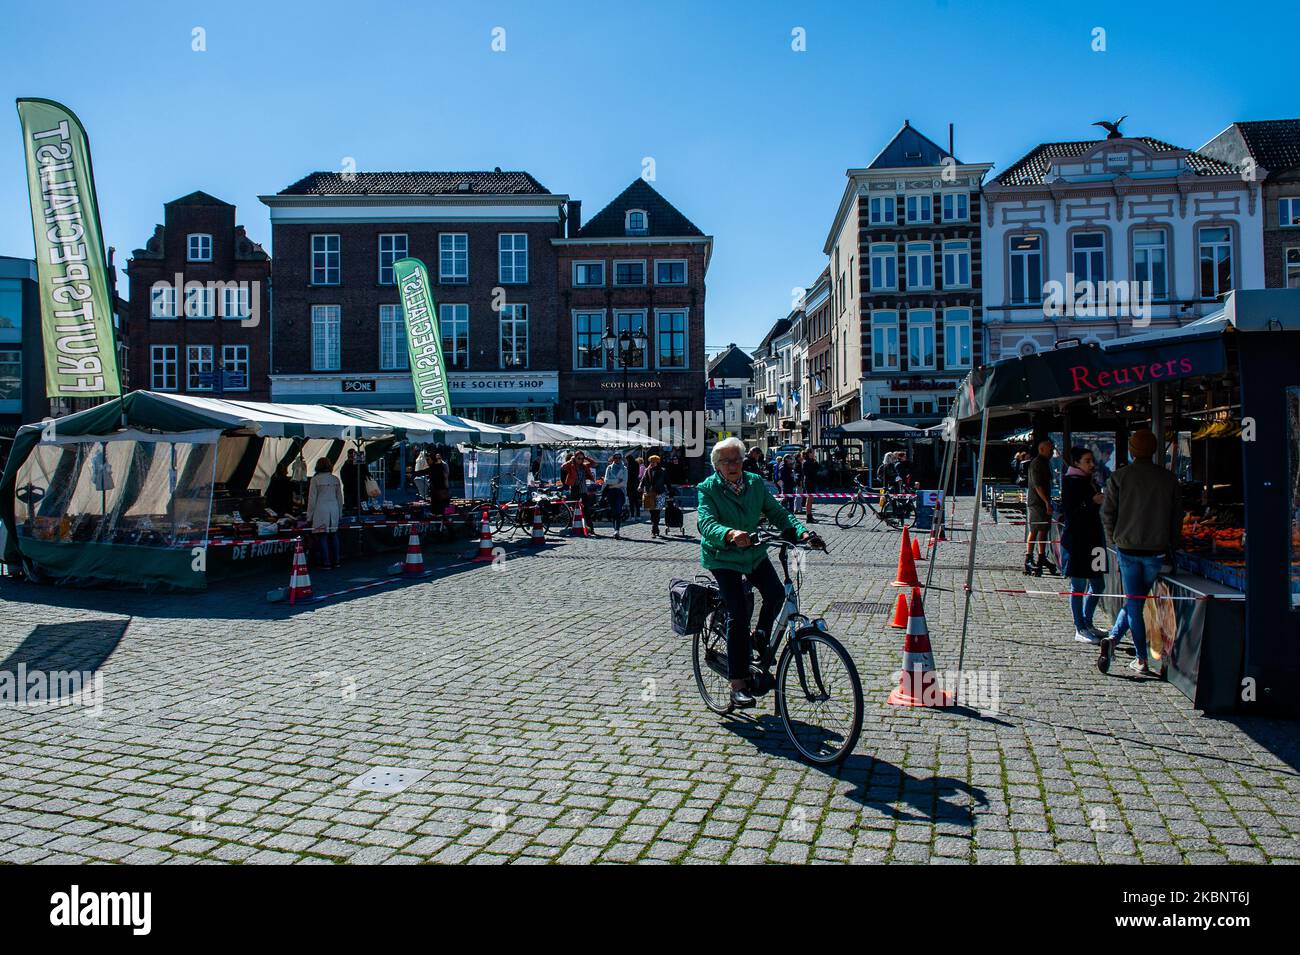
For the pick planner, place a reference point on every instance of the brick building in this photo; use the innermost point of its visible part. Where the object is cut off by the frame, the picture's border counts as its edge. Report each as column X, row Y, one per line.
column 199, row 304
column 636, row 267
column 818, row 383
column 486, row 238
column 905, row 281
column 1271, row 148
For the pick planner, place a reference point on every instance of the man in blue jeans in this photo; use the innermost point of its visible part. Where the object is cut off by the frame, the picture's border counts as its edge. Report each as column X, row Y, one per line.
column 1143, row 520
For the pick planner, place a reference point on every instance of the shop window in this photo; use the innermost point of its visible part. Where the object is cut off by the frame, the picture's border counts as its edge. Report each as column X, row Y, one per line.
column 1025, row 254
column 1216, row 260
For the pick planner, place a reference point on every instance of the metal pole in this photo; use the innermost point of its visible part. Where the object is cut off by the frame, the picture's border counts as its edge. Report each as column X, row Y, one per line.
column 939, row 522
column 970, row 557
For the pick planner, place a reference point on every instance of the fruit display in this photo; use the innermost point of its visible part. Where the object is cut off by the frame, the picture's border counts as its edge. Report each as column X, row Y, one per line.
column 1212, row 533
column 1218, row 428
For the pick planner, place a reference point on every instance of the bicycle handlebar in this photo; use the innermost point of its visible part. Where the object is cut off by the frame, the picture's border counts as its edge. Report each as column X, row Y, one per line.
column 767, row 538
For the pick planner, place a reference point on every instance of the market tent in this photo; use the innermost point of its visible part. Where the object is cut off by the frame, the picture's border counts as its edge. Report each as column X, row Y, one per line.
column 871, row 427
column 424, row 428
column 578, row 435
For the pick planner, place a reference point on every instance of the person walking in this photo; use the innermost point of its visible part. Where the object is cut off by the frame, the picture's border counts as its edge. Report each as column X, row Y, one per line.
column 732, row 502
column 786, row 481
column 633, row 465
column 811, row 473
column 654, row 489
column 616, row 491
column 1082, row 542
column 1143, row 520
column 350, row 475
column 1038, row 509
column 754, row 462
column 324, row 508
column 439, row 483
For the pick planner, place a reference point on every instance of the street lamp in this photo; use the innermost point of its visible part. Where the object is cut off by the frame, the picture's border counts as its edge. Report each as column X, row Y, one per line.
column 626, row 347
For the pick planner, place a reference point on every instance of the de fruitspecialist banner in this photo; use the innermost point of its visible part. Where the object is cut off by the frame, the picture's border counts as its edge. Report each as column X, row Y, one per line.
column 428, row 369
column 76, row 302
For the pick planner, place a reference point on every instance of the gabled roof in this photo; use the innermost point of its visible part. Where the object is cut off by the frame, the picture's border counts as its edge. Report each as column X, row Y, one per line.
column 779, row 328
column 494, row 183
column 1030, row 168
column 731, row 363
column 197, row 198
column 663, row 217
column 1274, row 144
column 910, row 148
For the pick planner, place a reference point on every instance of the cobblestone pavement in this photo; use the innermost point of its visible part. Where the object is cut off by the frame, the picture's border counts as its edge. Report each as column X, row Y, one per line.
column 555, row 718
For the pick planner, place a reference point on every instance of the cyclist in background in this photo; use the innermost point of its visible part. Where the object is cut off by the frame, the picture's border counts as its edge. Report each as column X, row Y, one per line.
column 731, row 504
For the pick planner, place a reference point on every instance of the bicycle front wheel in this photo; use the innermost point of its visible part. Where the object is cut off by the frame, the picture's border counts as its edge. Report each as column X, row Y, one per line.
column 850, row 514
column 710, row 663
column 819, row 697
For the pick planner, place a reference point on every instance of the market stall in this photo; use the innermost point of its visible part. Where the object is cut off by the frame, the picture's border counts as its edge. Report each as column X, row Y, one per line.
column 173, row 491
column 1223, row 395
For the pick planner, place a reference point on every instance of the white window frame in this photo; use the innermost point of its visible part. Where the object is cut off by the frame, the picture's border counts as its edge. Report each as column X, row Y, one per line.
column 660, row 315
column 599, row 331
column 613, row 277
column 191, row 362
column 883, row 210
column 1095, row 273
column 955, row 321
column 448, row 250
column 392, row 334
column 918, row 201
column 1018, row 260
column 1288, row 212
column 587, row 264
column 960, row 209
column 236, row 302
column 236, row 358
column 681, row 262
column 195, row 245
column 323, row 252
column 165, row 293
column 898, row 405
column 392, row 253
column 163, row 357
column 1287, row 267
column 508, row 244
column 326, row 319
column 923, row 254
column 1156, row 294
column 1201, row 246
column 621, row 326
column 627, row 222
column 514, row 323
column 956, row 254
column 919, row 322
column 884, row 324
column 453, row 316
column 884, row 254
column 200, row 303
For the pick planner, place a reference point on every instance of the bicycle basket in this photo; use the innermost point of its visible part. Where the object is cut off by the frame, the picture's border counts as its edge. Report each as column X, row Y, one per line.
column 690, row 602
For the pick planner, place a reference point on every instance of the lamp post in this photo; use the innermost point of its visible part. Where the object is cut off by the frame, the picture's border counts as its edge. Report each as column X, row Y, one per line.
column 626, row 347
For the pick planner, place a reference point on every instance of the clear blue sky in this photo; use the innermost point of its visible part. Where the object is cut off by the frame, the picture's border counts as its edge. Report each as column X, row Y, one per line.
column 750, row 138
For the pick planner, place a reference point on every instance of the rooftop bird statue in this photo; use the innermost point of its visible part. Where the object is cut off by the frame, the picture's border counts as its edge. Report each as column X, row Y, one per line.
column 1112, row 129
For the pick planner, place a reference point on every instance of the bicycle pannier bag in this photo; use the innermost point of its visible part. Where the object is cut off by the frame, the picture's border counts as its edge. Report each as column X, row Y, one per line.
column 690, row 602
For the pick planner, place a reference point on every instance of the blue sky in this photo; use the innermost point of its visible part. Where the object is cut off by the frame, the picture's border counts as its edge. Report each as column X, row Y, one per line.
column 750, row 138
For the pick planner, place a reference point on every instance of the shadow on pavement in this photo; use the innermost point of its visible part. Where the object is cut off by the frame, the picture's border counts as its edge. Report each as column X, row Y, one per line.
column 80, row 647
column 879, row 785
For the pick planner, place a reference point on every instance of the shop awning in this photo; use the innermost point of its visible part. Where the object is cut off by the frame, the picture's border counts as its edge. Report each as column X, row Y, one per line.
column 432, row 428
column 578, row 435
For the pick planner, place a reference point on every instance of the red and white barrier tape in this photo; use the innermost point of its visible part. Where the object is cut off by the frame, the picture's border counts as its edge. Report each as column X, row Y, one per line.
column 1083, row 593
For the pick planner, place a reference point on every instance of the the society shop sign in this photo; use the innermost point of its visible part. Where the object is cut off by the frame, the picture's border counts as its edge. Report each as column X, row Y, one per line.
column 525, row 387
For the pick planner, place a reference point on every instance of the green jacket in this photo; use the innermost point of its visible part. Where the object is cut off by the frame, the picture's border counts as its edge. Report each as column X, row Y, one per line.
column 721, row 510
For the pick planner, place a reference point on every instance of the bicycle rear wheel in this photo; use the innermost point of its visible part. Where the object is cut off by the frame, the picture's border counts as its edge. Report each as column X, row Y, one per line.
column 819, row 697
column 709, row 660
column 850, row 514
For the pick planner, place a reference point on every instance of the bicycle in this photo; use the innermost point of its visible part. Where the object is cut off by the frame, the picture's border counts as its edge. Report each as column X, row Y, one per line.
column 818, row 691
column 894, row 513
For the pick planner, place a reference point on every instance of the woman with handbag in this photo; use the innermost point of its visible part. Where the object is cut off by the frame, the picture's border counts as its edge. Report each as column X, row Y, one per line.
column 654, row 491
column 324, row 508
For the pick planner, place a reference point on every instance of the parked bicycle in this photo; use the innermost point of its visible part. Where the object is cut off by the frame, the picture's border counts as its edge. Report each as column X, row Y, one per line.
column 818, row 691
column 892, row 510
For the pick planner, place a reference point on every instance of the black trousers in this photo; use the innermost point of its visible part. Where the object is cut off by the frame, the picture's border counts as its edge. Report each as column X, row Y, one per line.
column 732, row 590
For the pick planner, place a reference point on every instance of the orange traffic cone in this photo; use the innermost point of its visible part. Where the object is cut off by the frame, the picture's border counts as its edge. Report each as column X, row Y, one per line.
column 917, row 683
column 484, row 541
column 906, row 573
column 579, row 527
column 539, row 532
column 299, row 578
column 900, row 612
column 916, row 549
column 413, row 566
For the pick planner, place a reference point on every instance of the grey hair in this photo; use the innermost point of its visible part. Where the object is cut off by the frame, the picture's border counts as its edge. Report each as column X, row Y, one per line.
column 726, row 444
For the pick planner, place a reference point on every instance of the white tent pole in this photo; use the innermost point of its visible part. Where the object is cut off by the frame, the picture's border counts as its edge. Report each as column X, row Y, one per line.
column 970, row 556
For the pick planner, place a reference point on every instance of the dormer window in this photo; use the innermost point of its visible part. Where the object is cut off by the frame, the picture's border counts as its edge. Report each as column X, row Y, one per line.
column 199, row 247
column 637, row 222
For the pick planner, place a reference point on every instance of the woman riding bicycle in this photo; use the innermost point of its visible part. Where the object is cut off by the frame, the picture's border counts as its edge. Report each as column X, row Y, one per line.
column 731, row 503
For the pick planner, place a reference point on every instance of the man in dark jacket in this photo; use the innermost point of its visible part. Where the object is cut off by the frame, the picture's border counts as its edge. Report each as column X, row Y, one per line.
column 1143, row 521
column 350, row 475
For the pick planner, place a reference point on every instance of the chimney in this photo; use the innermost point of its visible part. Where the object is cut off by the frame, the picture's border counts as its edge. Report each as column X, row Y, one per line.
column 574, row 217
column 950, row 153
